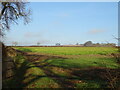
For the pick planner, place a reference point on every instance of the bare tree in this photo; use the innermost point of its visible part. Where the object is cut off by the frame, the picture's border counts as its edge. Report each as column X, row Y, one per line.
column 11, row 12
column 14, row 43
column 116, row 37
column 118, row 42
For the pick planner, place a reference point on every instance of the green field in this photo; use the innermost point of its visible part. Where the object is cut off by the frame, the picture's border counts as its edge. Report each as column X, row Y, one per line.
column 77, row 56
column 59, row 67
column 70, row 50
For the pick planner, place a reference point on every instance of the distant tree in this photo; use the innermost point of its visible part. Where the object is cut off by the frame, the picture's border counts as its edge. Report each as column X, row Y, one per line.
column 57, row 44
column 97, row 44
column 38, row 43
column 88, row 43
column 11, row 12
column 117, row 39
column 14, row 43
column 77, row 43
column 112, row 44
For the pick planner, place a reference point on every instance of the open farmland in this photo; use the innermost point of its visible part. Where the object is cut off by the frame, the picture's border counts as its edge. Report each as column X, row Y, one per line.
column 65, row 67
column 69, row 50
column 76, row 56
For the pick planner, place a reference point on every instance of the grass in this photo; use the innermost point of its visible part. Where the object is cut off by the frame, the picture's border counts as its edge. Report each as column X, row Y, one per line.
column 85, row 62
column 70, row 50
column 78, row 57
column 73, row 67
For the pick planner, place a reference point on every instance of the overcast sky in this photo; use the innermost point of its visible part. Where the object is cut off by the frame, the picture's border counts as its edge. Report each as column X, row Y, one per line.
column 67, row 23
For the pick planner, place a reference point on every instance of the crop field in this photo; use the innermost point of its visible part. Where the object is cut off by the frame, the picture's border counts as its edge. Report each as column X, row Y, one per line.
column 66, row 67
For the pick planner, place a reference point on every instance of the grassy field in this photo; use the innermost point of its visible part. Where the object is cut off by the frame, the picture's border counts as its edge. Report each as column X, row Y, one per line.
column 70, row 50
column 60, row 67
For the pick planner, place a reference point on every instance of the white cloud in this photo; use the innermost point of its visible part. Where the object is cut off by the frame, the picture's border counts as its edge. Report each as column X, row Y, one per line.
column 44, row 41
column 32, row 34
column 61, row 14
column 95, row 31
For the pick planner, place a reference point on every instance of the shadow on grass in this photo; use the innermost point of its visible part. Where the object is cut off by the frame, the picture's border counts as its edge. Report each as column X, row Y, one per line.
column 94, row 74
